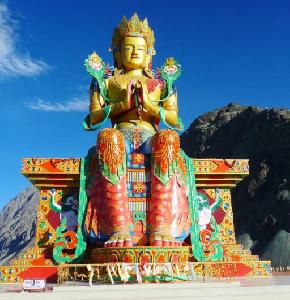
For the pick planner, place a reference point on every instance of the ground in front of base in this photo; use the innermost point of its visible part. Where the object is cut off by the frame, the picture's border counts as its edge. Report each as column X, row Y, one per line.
column 271, row 288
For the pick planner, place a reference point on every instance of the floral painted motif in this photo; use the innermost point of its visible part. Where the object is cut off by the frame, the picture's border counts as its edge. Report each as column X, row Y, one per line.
column 166, row 156
column 165, row 148
column 112, row 154
column 152, row 84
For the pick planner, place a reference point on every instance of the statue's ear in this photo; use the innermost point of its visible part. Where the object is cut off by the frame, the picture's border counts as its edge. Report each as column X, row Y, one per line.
column 148, row 62
column 117, row 59
column 148, row 66
column 150, row 53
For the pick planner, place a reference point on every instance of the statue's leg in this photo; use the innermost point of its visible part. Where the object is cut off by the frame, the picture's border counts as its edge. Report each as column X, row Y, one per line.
column 165, row 150
column 94, row 192
column 114, row 212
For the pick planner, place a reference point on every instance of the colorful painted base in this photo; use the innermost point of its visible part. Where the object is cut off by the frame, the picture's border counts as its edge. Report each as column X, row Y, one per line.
column 63, row 176
column 140, row 255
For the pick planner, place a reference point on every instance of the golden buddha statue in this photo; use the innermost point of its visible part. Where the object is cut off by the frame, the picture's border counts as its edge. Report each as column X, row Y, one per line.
column 133, row 54
column 136, row 100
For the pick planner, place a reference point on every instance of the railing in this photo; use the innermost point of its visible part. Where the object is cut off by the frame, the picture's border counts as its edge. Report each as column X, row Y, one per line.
column 143, row 273
column 281, row 269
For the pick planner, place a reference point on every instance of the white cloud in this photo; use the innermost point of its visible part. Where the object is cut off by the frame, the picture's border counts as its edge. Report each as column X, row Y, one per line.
column 75, row 104
column 12, row 63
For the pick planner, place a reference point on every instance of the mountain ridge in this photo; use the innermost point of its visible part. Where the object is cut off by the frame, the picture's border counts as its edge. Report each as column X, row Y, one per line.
column 18, row 224
column 261, row 202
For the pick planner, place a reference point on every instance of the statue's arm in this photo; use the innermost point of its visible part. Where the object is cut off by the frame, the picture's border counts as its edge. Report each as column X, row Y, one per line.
column 97, row 104
column 169, row 107
column 171, row 110
column 117, row 109
column 118, row 105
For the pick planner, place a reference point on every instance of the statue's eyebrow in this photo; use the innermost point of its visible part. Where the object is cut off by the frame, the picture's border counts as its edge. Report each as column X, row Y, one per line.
column 134, row 45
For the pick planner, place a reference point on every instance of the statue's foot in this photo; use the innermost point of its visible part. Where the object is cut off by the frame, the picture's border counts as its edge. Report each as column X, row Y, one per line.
column 163, row 239
column 119, row 239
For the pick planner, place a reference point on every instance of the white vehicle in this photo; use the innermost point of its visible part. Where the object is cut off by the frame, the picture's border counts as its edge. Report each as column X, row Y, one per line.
column 34, row 284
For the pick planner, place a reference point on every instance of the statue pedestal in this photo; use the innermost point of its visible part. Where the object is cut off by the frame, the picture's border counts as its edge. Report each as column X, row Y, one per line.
column 141, row 255
column 63, row 176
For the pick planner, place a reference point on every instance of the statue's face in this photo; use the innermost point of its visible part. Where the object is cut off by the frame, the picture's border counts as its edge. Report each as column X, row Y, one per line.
column 133, row 53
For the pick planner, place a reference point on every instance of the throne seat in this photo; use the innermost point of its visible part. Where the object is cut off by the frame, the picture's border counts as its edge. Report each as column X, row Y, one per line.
column 138, row 187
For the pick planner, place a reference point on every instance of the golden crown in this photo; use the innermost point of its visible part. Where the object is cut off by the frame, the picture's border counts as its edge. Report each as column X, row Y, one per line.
column 133, row 27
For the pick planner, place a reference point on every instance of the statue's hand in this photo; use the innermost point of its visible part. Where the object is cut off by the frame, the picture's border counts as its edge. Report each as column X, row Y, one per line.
column 129, row 101
column 148, row 105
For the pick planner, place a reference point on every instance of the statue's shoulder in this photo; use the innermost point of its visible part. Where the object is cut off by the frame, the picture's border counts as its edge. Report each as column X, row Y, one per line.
column 118, row 80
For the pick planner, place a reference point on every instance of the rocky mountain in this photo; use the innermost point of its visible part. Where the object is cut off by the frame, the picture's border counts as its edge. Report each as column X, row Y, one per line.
column 17, row 224
column 261, row 202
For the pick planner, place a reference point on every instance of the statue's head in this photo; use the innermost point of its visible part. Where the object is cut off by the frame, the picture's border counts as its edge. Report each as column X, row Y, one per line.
column 133, row 44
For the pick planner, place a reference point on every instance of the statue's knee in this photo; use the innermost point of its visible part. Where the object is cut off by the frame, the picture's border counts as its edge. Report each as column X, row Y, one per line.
column 110, row 139
column 166, row 138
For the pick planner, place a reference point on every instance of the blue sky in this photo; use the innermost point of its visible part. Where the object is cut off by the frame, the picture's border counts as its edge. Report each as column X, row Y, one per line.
column 231, row 51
